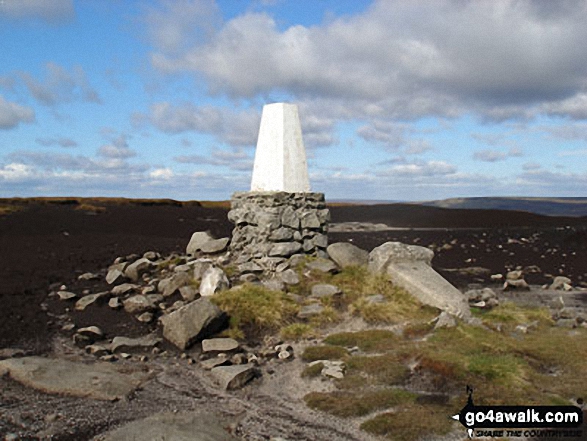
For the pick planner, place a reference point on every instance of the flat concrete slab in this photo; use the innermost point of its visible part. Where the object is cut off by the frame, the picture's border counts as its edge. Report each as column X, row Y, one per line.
column 99, row 381
column 169, row 426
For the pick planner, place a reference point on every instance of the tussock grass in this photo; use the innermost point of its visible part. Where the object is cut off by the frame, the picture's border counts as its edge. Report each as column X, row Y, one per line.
column 372, row 340
column 313, row 353
column 254, row 309
column 298, row 331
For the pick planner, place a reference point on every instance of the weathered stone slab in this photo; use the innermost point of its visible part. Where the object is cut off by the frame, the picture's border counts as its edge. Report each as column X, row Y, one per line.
column 408, row 266
column 219, row 345
column 100, row 381
column 90, row 299
column 215, row 245
column 233, row 377
column 170, row 426
column 170, row 285
column 136, row 269
column 346, row 254
column 213, row 280
column 127, row 344
column 198, row 239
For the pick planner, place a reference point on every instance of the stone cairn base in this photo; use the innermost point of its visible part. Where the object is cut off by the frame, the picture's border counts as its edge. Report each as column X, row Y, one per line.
column 270, row 227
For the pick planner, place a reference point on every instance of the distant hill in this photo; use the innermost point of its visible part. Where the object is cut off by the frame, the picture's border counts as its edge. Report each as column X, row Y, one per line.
column 545, row 206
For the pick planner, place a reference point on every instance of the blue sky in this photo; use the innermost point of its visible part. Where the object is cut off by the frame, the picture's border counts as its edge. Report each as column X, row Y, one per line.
column 399, row 100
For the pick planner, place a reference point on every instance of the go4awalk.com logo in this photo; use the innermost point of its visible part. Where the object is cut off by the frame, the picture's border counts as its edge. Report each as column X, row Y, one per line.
column 520, row 421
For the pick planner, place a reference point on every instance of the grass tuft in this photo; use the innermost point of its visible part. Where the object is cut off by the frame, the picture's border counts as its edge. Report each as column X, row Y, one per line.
column 297, row 332
column 313, row 353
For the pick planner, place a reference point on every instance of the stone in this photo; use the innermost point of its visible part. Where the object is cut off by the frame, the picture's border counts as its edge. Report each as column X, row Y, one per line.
column 152, row 255
column 88, row 276
column 138, row 304
column 91, row 331
column 309, row 219
column 188, row 293
column 219, row 345
column 215, row 246
column 310, row 310
column 97, row 381
column 90, row 299
column 274, row 284
column 516, row 284
column 322, row 290
column 146, row 317
column 280, row 157
column 127, row 344
column 445, row 320
column 115, row 276
column 198, row 239
column 559, row 283
column 322, row 266
column 171, row 285
column 289, row 218
column 192, row 322
column 375, row 299
column 233, row 377
column 115, row 303
column 125, row 288
column 66, row 295
column 514, row 275
column 282, row 234
column 211, row 363
column 408, row 266
column 285, row 249
column 136, row 269
column 97, row 350
column 173, row 426
column 249, row 267
column 213, row 280
column 200, row 267
column 289, row 277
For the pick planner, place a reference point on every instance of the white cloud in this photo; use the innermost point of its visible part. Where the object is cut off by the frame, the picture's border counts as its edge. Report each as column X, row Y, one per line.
column 423, row 169
column 162, row 173
column 15, row 172
column 52, row 11
column 12, row 114
column 118, row 150
column 61, row 86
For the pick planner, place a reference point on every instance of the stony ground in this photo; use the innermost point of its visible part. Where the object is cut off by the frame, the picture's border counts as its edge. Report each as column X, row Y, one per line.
column 46, row 245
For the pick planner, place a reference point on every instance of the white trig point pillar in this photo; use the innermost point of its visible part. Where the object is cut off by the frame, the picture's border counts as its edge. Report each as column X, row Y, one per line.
column 280, row 158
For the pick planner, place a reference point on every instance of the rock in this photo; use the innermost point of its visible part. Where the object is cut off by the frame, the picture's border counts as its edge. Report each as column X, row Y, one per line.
column 138, row 304
column 146, row 317
column 514, row 275
column 97, row 350
column 496, row 277
column 559, row 283
column 198, row 239
column 516, row 284
column 408, row 266
column 88, row 276
column 346, row 254
column 152, row 255
column 173, row 426
column 282, row 234
column 115, row 276
column 322, row 266
column 126, row 344
column 188, row 293
column 91, row 331
column 445, row 320
column 200, row 267
column 136, row 269
column 233, row 377
column 478, row 295
column 249, row 267
column 557, row 303
column 284, row 249
column 215, row 246
column 55, row 376
column 11, row 353
column 219, row 345
column 125, row 288
column 88, row 300
column 115, row 303
column 66, row 295
column 310, row 310
column 192, row 322
column 566, row 323
column 274, row 284
column 211, row 363
column 172, row 284
column 324, row 290
column 213, row 280
column 289, row 277
column 375, row 299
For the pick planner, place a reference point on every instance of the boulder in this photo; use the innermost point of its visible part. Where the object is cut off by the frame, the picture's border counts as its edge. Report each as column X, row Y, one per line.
column 289, row 277
column 136, row 269
column 561, row 283
column 233, row 377
column 188, row 293
column 126, row 344
column 200, row 267
column 324, row 290
column 213, row 280
column 284, row 249
column 90, row 299
column 192, row 322
column 408, row 266
column 198, row 239
column 123, row 289
column 346, row 254
column 138, row 304
column 66, row 295
column 219, row 345
column 171, row 285
column 215, row 246
column 115, row 276
column 310, row 310
column 322, row 265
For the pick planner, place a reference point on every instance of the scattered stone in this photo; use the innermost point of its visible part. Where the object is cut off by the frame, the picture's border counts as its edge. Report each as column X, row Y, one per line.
column 322, row 266
column 557, row 303
column 88, row 276
column 115, row 276
column 561, row 283
column 310, row 310
column 215, row 246
column 213, row 280
column 238, row 359
column 138, row 304
column 516, row 284
column 445, row 320
column 92, row 332
column 322, row 290
column 346, row 254
column 284, row 249
column 55, row 376
column 198, row 239
column 115, row 303
column 97, row 350
column 211, row 363
column 136, row 269
column 189, row 293
column 289, row 277
column 11, row 353
column 192, row 322
column 200, row 267
column 514, row 275
column 152, row 255
column 249, row 267
column 66, row 295
column 233, row 377
column 146, row 317
column 172, row 284
column 86, row 301
column 496, row 277
column 219, row 345
column 125, row 288
column 126, row 344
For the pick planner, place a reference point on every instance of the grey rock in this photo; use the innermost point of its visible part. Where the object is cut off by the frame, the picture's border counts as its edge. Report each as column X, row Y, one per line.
column 90, row 299
column 514, row 275
column 561, row 283
column 200, row 267
column 215, row 246
column 126, row 344
column 274, row 284
column 213, row 280
column 192, row 322
column 93, row 332
column 249, row 267
column 198, row 239
column 281, row 234
column 309, row 219
column 310, row 310
column 289, row 277
column 566, row 323
column 115, row 276
column 219, row 345
column 56, row 376
column 324, row 290
column 171, row 285
column 322, row 266
column 248, row 278
column 136, row 269
column 88, row 276
column 66, row 295
column 285, row 249
column 97, row 350
column 233, row 377
column 152, row 255
column 138, row 304
column 445, row 320
column 214, row 362
column 383, row 255
column 188, row 293
column 515, row 284
column 123, row 289
column 289, row 218
column 146, row 317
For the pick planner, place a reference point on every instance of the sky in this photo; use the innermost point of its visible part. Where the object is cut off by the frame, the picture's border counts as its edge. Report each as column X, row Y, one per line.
column 401, row 100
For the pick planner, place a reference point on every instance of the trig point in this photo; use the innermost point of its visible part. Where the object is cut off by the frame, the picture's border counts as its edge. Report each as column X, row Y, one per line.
column 280, row 217
column 280, row 158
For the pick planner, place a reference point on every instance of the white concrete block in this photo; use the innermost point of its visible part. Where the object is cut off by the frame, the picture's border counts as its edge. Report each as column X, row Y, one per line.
column 280, row 158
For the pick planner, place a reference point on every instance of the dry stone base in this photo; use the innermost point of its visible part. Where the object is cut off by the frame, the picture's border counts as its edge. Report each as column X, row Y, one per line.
column 272, row 226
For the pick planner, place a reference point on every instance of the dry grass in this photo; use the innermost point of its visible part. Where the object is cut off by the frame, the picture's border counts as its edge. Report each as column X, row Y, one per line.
column 313, row 353
column 345, row 404
column 298, row 331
